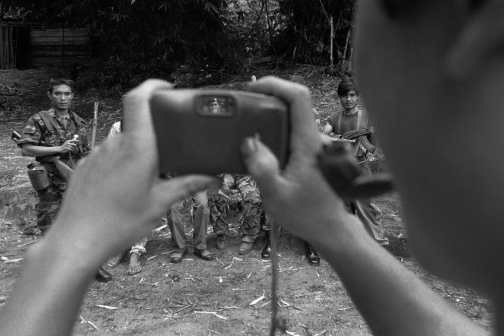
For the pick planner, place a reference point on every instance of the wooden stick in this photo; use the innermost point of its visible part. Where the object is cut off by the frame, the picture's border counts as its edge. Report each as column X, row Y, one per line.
column 274, row 324
column 331, row 55
column 94, row 125
column 346, row 43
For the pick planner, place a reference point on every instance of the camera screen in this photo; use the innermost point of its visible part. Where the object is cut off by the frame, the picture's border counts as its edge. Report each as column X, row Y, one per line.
column 216, row 106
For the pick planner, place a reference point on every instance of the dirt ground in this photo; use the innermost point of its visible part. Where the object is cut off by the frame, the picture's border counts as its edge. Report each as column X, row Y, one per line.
column 195, row 297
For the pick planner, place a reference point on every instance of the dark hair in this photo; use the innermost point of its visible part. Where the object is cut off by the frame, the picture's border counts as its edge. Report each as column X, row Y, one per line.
column 346, row 85
column 59, row 81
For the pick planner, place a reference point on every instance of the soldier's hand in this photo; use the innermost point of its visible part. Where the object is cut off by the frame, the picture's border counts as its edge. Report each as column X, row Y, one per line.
column 116, row 196
column 298, row 198
column 69, row 146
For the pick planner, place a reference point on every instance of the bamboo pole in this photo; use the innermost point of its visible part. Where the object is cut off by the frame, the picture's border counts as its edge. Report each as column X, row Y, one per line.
column 348, row 50
column 3, row 46
column 12, row 60
column 331, row 50
column 94, row 125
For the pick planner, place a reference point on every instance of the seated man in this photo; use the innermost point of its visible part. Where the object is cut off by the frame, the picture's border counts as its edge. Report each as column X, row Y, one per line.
column 221, row 203
column 138, row 249
column 192, row 210
column 252, row 209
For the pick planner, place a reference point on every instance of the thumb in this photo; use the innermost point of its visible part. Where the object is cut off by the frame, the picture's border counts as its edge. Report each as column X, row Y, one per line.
column 168, row 192
column 261, row 164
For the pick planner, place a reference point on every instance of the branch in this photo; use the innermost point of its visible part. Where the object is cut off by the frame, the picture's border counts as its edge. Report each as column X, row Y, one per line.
column 324, row 11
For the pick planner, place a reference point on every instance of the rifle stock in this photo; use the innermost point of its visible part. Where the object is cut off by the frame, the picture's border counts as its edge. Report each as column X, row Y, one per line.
column 63, row 169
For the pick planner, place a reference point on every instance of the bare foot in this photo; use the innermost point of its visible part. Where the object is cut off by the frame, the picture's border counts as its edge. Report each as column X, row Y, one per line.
column 134, row 264
column 114, row 261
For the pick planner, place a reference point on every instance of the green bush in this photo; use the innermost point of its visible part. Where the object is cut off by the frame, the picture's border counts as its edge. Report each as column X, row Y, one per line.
column 306, row 37
column 135, row 39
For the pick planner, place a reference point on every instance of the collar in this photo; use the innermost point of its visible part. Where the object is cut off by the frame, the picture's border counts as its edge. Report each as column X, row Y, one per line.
column 351, row 114
column 54, row 114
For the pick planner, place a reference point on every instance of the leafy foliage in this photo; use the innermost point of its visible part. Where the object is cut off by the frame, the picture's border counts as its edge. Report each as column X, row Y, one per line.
column 306, row 38
column 133, row 39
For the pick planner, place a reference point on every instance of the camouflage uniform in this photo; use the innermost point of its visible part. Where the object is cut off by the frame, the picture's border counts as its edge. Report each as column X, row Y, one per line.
column 252, row 208
column 46, row 129
column 221, row 204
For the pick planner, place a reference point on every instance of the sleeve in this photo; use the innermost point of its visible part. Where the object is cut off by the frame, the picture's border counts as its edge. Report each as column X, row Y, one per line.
column 32, row 133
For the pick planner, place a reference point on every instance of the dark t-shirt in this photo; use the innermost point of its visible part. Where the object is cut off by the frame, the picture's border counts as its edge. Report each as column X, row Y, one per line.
column 342, row 123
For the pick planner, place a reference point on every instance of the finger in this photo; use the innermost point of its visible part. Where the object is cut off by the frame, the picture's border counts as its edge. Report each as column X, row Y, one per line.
column 304, row 130
column 136, row 112
column 483, row 35
column 262, row 165
column 167, row 192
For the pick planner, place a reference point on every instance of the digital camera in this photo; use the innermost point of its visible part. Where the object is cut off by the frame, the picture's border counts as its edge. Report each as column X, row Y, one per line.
column 200, row 131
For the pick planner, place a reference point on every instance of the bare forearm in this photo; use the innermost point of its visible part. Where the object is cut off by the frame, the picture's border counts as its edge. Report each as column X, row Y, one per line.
column 47, row 297
column 32, row 150
column 392, row 299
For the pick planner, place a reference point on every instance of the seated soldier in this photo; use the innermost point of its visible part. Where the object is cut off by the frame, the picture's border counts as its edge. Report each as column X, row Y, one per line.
column 221, row 204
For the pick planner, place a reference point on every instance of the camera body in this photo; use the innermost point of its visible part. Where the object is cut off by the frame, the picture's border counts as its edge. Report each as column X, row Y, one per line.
column 200, row 131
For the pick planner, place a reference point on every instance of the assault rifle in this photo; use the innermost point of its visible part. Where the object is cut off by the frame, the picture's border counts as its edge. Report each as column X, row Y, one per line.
column 355, row 134
column 343, row 172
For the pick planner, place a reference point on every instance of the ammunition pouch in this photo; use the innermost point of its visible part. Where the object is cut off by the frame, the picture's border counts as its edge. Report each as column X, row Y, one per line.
column 38, row 175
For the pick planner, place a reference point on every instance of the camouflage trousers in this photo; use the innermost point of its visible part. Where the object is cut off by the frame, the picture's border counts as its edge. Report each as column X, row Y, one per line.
column 193, row 210
column 219, row 211
column 48, row 206
column 254, row 219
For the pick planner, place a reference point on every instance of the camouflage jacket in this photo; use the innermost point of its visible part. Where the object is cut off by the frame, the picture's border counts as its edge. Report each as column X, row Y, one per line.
column 248, row 188
column 45, row 128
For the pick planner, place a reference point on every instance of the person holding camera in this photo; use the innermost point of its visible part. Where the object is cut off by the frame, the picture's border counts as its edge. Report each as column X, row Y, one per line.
column 457, row 82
